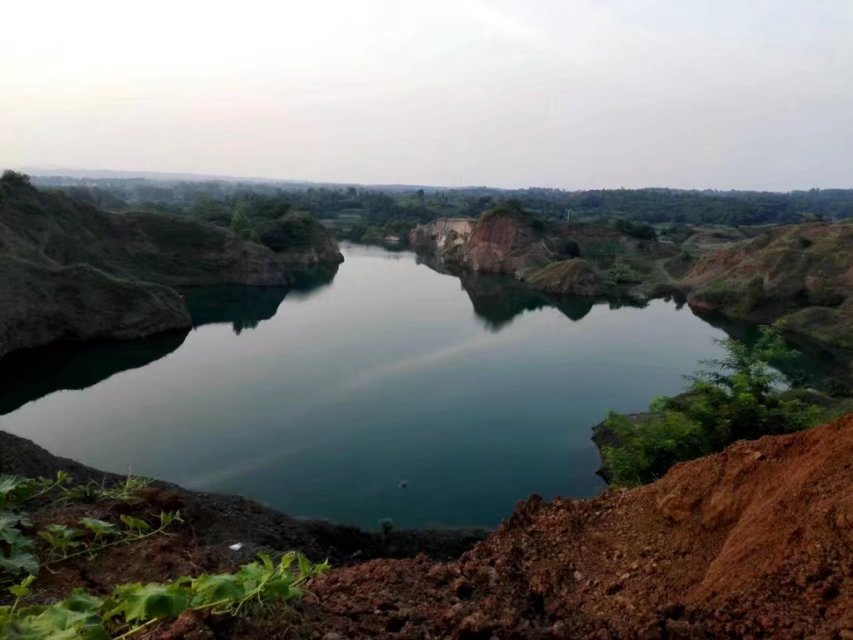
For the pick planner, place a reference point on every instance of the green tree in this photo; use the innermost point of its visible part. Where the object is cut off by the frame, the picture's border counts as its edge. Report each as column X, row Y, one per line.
column 242, row 225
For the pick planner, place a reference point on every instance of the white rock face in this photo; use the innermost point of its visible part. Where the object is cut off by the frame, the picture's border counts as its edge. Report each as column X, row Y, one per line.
column 442, row 235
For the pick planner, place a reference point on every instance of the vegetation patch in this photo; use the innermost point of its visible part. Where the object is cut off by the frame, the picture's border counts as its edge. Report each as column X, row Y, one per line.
column 736, row 397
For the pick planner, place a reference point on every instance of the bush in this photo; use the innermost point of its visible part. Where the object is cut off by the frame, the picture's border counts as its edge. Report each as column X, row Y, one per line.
column 652, row 446
column 734, row 397
column 292, row 232
column 639, row 230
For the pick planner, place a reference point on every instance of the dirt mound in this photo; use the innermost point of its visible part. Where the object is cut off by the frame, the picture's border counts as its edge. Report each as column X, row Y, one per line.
column 754, row 542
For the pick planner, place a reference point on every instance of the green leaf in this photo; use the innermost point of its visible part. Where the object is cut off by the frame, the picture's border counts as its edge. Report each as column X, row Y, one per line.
column 59, row 623
column 63, row 531
column 252, row 575
column 168, row 517
column 18, row 562
column 22, row 589
column 217, row 588
column 10, row 487
column 135, row 523
column 143, row 603
column 9, row 531
column 98, row 527
column 81, row 601
column 304, row 565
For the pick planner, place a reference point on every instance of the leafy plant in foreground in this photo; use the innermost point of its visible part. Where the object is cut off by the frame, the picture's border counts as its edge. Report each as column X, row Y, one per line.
column 133, row 607
column 18, row 551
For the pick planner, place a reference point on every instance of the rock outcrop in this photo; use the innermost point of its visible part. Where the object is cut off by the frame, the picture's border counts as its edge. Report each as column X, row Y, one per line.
column 552, row 257
column 69, row 272
column 444, row 239
column 799, row 277
column 501, row 241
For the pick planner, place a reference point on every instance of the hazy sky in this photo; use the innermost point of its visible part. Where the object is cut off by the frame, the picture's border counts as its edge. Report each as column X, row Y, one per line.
column 572, row 93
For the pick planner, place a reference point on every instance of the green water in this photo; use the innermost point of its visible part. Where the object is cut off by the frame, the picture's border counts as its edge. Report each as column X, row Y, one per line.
column 321, row 401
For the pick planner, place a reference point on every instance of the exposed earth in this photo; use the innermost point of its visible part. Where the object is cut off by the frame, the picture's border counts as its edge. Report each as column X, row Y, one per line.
column 754, row 542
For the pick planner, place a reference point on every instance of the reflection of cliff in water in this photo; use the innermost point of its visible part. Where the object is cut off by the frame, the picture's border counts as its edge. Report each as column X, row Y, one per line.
column 34, row 373
column 240, row 306
column 245, row 307
column 498, row 299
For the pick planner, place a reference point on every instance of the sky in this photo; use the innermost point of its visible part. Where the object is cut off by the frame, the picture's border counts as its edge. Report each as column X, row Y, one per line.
column 575, row 94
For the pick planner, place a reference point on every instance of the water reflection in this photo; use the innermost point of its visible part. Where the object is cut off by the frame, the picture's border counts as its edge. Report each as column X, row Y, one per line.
column 246, row 307
column 241, row 307
column 34, row 373
column 498, row 299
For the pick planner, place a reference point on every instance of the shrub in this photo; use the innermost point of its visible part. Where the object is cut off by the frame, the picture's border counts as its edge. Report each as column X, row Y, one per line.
column 733, row 397
column 652, row 446
column 639, row 230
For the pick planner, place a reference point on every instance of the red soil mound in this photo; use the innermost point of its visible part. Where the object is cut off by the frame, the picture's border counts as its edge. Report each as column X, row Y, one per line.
column 756, row 541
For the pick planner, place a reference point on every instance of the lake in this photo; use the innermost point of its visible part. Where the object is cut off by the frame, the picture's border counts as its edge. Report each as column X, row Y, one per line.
column 385, row 390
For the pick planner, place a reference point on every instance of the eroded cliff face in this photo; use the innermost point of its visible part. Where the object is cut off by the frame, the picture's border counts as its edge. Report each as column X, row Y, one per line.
column 800, row 277
column 500, row 241
column 444, row 239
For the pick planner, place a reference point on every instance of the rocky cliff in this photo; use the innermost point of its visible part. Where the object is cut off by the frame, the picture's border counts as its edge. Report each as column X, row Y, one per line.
column 799, row 276
column 73, row 273
column 558, row 258
column 444, row 239
column 502, row 240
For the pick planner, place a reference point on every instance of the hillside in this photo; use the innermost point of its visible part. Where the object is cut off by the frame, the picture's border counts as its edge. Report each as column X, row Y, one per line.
column 752, row 542
column 799, row 276
column 559, row 258
column 85, row 274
